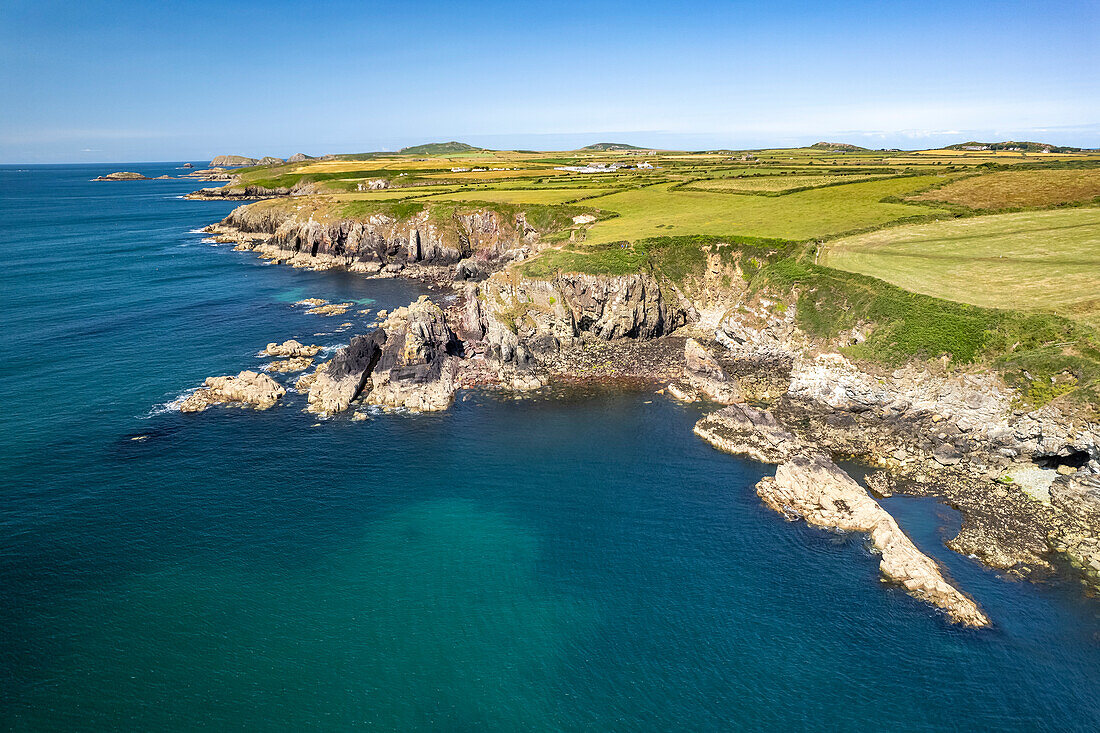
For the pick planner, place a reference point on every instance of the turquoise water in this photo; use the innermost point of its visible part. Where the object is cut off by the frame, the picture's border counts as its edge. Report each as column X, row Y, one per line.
column 580, row 562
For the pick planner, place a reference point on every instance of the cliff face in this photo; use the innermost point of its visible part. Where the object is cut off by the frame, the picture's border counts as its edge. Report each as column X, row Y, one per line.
column 472, row 243
column 250, row 192
column 523, row 323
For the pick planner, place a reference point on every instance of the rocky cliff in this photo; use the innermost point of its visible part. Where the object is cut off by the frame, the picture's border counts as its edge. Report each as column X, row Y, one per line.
column 408, row 362
column 955, row 434
column 469, row 244
column 1024, row 481
column 523, row 324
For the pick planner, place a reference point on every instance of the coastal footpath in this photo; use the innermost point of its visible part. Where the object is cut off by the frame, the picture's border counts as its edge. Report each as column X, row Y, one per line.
column 1026, row 481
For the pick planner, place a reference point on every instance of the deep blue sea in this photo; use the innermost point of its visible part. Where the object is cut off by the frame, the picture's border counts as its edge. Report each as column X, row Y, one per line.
column 577, row 561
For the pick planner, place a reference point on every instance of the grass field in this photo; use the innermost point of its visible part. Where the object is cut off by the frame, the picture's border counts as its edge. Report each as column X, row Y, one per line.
column 1019, row 189
column 519, row 196
column 1037, row 261
column 773, row 184
column 657, row 211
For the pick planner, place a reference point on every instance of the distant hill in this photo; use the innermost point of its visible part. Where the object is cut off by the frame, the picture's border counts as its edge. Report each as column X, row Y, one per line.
column 438, row 148
column 612, row 146
column 838, row 147
column 232, row 161
column 1013, row 145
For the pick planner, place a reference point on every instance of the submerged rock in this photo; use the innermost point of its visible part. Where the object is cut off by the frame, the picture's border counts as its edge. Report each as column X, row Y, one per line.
column 330, row 309
column 249, row 389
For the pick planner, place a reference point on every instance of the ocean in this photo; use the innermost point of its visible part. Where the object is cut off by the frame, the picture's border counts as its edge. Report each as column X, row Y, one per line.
column 577, row 560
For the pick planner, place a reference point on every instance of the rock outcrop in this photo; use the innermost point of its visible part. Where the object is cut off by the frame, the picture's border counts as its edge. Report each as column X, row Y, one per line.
column 409, row 362
column 339, row 381
column 809, row 485
column 523, row 323
column 295, row 364
column 247, row 389
column 269, row 160
column 748, row 431
column 298, row 158
column 813, row 488
column 416, row 370
column 704, row 375
column 290, row 348
column 1078, row 496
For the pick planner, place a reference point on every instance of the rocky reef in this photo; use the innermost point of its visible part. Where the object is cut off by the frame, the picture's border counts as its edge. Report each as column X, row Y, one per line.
column 247, row 389
column 808, row 485
column 290, row 348
column 812, row 487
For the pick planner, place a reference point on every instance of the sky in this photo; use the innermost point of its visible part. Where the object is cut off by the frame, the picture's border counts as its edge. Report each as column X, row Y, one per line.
column 90, row 81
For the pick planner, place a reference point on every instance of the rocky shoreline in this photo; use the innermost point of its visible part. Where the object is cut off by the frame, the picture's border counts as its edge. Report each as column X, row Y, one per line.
column 1027, row 483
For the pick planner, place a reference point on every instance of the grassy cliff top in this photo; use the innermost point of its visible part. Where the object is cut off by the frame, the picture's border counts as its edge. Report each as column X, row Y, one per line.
column 982, row 256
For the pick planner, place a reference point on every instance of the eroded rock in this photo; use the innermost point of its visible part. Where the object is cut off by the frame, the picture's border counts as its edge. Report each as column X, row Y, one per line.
column 290, row 348
column 249, row 389
column 748, row 431
column 339, row 381
column 703, row 373
column 812, row 487
column 416, row 370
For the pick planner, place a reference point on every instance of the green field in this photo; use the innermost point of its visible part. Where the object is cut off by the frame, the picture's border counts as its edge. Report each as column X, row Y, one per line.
column 773, row 184
column 1039, row 260
column 657, row 211
column 519, row 196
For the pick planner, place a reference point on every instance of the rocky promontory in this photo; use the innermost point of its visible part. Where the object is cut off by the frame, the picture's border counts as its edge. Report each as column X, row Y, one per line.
column 408, row 362
column 808, row 485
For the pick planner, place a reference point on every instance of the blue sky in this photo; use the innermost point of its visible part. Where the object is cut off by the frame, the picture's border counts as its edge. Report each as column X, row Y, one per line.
column 127, row 81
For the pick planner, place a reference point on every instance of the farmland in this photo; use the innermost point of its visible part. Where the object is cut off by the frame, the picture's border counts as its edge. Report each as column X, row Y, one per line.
column 1037, row 261
column 982, row 257
column 1019, row 189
